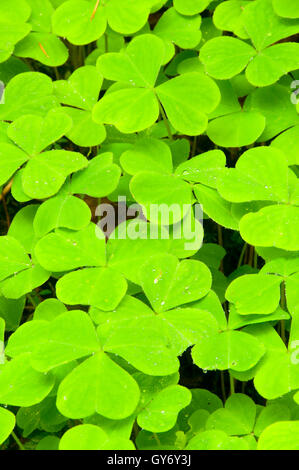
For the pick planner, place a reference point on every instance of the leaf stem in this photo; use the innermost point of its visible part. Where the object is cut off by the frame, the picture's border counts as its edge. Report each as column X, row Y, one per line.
column 222, row 386
column 164, row 117
column 20, row 445
column 242, row 255
column 232, row 384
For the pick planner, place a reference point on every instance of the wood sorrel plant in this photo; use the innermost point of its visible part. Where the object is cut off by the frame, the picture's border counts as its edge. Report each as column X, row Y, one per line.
column 125, row 340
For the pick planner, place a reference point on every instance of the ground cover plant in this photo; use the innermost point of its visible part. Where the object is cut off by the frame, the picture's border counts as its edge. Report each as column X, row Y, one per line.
column 149, row 248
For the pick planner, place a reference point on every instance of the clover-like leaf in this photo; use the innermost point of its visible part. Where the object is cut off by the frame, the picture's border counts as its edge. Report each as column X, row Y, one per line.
column 225, row 57
column 7, row 423
column 168, row 283
column 28, row 93
column 21, row 385
column 99, row 179
column 44, row 47
column 260, row 174
column 255, row 293
column 61, row 211
column 45, row 174
column 33, row 133
column 64, row 249
column 161, row 413
column 13, row 257
column 69, row 336
column 101, row 287
column 282, row 435
column 80, row 92
column 79, row 22
column 187, row 99
column 217, row 208
column 203, row 168
column 91, row 437
column 190, row 7
column 273, row 226
column 236, row 418
column 138, row 65
column 109, row 390
column 145, row 154
column 286, row 9
column 237, row 129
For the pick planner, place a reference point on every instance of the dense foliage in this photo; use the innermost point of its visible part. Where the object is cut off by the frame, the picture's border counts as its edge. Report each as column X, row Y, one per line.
column 127, row 340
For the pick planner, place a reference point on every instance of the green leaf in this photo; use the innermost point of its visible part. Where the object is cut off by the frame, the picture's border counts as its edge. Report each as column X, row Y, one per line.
column 44, row 47
column 13, row 257
column 21, row 227
column 187, row 325
column 266, row 101
column 84, row 132
column 175, row 28
column 49, row 309
column 288, row 140
column 108, row 390
column 273, row 226
column 126, row 253
column 75, row 20
column 11, row 158
column 277, row 374
column 64, row 249
column 41, row 12
column 280, row 436
column 69, row 336
column 138, row 65
column 21, row 385
column 236, row 130
column 272, row 63
column 61, row 211
column 204, row 168
column 237, row 418
column 190, row 7
column 225, row 57
column 264, row 27
column 261, row 174
column 169, row 283
column 91, row 437
column 128, row 18
column 24, row 282
column 28, row 93
column 33, row 133
column 187, row 99
column 129, row 110
column 161, row 413
column 45, row 174
column 286, row 8
column 15, row 10
column 216, row 440
column 7, row 423
column 83, row 437
column 101, row 287
column 227, row 350
column 228, row 16
column 255, row 293
column 82, row 88
column 99, row 179
column 133, row 340
column 145, row 154
column 269, row 415
column 165, row 198
column 217, row 208
column 11, row 311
